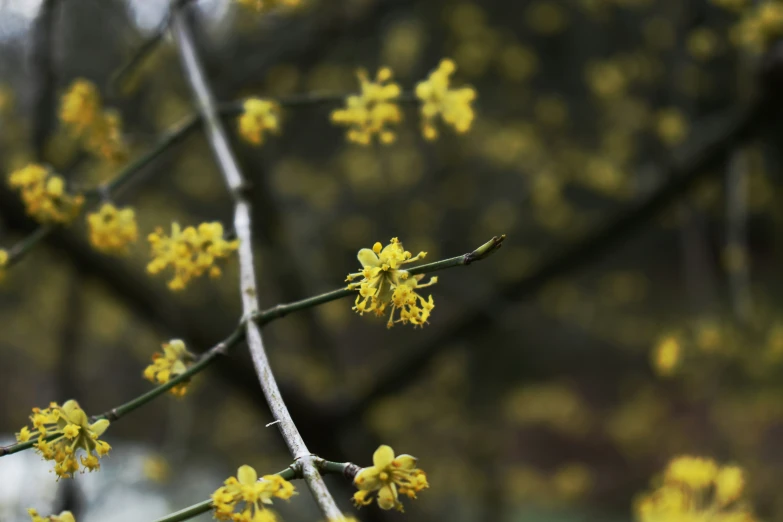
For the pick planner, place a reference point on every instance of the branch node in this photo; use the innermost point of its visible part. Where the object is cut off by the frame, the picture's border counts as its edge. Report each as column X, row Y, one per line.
column 350, row 471
column 112, row 415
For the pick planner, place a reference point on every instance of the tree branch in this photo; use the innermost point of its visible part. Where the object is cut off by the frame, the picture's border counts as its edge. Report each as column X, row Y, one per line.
column 237, row 187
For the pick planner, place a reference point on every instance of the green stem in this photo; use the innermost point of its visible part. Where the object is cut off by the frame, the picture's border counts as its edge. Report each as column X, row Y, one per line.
column 16, row 252
column 262, row 318
column 116, row 413
column 203, row 361
column 266, row 316
column 288, row 473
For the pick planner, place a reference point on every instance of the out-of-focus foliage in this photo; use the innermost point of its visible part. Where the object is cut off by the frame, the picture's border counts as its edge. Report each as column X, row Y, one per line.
column 560, row 404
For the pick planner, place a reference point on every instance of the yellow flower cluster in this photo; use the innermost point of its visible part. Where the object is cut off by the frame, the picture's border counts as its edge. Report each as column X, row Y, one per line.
column 112, row 229
column 369, row 113
column 243, row 497
column 61, row 431
column 695, row 490
column 190, row 252
column 760, row 26
column 385, row 285
column 101, row 131
column 262, row 5
column 65, row 516
column 453, row 105
column 390, row 477
column 174, row 361
column 259, row 115
column 667, row 355
column 3, row 262
column 43, row 194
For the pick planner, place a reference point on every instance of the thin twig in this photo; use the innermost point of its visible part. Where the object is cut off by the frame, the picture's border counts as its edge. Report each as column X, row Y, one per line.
column 263, row 318
column 236, row 185
column 346, row 469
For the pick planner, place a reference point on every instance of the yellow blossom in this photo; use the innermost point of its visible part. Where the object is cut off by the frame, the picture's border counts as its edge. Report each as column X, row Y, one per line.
column 3, row 262
column 65, row 516
column 369, row 113
column 259, row 115
column 761, row 25
column 190, row 252
column 386, row 285
column 390, row 477
column 105, row 138
column 174, row 361
column 61, row 431
column 101, row 131
column 667, row 355
column 112, row 229
column 671, row 127
column 80, row 107
column 696, row 490
column 453, row 105
column 44, row 195
column 242, row 498
column 262, row 5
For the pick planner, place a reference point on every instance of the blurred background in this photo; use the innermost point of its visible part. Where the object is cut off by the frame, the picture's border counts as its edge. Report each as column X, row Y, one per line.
column 555, row 379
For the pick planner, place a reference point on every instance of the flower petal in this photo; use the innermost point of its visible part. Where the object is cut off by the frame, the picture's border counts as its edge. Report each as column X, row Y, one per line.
column 98, row 427
column 383, row 456
column 405, row 462
column 367, row 258
column 367, row 479
column 387, row 496
column 247, row 475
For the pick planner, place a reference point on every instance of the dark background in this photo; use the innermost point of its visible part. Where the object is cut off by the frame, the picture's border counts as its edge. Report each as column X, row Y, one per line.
column 531, row 394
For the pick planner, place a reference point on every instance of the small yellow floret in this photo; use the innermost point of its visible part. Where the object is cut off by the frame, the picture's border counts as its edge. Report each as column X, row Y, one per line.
column 259, row 116
column 696, row 489
column 385, row 285
column 82, row 113
column 190, row 252
column 112, row 229
column 390, row 476
column 174, row 361
column 43, row 194
column 453, row 105
column 667, row 355
column 243, row 497
column 369, row 113
column 62, row 431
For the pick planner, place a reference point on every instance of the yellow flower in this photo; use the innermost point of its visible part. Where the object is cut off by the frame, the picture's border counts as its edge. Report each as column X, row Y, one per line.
column 65, row 516
column 368, row 113
column 242, row 498
column 671, row 127
column 112, row 229
column 80, row 107
column 385, row 285
column 761, row 26
column 259, row 115
column 3, row 262
column 174, row 361
column 190, row 252
column 101, row 131
column 43, row 194
column 667, row 355
column 453, row 105
column 390, row 477
column 696, row 472
column 261, row 5
column 696, row 490
column 104, row 138
column 61, row 431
